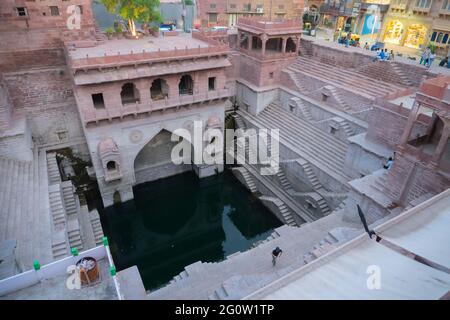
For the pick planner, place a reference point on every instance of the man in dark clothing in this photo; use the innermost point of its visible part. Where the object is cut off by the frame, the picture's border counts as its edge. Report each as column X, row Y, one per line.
column 276, row 253
column 388, row 164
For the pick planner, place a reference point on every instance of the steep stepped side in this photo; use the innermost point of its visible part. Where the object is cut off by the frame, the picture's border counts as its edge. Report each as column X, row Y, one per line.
column 340, row 100
column 306, row 111
column 239, row 122
column 312, row 144
column 52, row 168
column 347, row 129
column 248, row 180
column 96, row 227
column 285, row 184
column 70, row 202
column 60, row 241
column 20, row 210
column 343, row 78
column 283, row 210
column 74, row 233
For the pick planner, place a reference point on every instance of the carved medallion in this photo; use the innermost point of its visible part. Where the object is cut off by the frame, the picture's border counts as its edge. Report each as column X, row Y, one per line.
column 135, row 136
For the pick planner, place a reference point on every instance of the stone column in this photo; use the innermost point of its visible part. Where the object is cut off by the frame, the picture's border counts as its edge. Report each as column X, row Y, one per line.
column 283, row 45
column 250, row 40
column 264, row 40
column 409, row 125
column 431, row 126
column 442, row 144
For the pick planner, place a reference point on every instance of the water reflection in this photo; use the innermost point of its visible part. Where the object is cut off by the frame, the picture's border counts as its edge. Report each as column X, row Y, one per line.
column 177, row 221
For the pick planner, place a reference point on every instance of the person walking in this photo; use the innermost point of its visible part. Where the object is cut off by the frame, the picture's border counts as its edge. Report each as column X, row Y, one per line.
column 276, row 253
column 431, row 59
column 425, row 56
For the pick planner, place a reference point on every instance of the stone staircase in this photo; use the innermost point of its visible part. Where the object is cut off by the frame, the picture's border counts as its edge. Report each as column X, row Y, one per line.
column 228, row 118
column 312, row 178
column 299, row 82
column 306, row 111
column 23, row 213
column 286, row 213
column 249, row 183
column 74, row 233
column 347, row 129
column 56, row 205
column 326, row 245
column 272, row 236
column 324, row 208
column 96, row 227
column 343, row 78
column 339, row 99
column 52, row 169
column 387, row 71
column 309, row 142
column 239, row 122
column 285, row 184
column 70, row 202
column 60, row 241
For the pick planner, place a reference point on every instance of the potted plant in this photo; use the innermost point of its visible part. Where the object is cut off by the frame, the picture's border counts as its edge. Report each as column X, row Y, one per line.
column 109, row 33
column 119, row 31
column 154, row 30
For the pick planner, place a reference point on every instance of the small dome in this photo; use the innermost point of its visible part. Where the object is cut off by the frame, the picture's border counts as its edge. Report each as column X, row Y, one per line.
column 107, row 146
column 213, row 121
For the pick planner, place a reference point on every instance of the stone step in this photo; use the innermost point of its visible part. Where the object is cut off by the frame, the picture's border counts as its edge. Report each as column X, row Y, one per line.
column 344, row 76
column 309, row 132
column 221, row 293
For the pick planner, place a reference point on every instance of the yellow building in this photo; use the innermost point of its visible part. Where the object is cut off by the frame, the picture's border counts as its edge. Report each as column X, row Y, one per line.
column 415, row 23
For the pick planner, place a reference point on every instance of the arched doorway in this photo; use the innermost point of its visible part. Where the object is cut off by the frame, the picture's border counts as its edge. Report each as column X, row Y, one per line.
column 159, row 89
column 186, row 85
column 129, row 93
column 415, row 36
column 393, row 32
column 154, row 161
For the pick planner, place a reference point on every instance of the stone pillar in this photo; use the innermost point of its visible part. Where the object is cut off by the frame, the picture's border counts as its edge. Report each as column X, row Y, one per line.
column 409, row 125
column 264, row 40
column 250, row 40
column 431, row 126
column 283, row 45
column 442, row 144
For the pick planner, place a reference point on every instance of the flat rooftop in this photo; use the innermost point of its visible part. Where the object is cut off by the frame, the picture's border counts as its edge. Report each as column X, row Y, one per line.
column 56, row 289
column 344, row 273
column 148, row 44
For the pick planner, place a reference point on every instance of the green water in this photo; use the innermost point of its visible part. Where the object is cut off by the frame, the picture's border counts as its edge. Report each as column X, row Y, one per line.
column 177, row 221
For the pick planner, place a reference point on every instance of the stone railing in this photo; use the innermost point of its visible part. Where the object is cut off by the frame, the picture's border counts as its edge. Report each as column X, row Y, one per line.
column 266, row 24
column 134, row 58
column 269, row 55
column 95, row 115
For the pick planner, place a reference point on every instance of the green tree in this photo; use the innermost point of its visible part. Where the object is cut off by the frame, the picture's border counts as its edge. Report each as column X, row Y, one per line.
column 144, row 11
